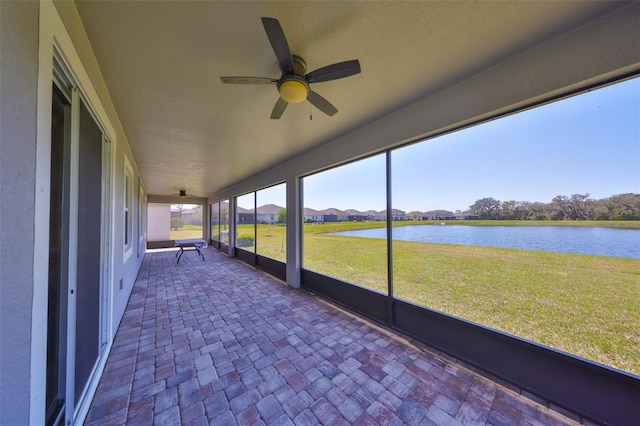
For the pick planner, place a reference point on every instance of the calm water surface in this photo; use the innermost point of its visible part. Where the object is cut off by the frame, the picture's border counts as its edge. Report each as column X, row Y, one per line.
column 566, row 239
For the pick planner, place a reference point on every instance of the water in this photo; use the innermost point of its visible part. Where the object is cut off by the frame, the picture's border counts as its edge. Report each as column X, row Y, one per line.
column 566, row 239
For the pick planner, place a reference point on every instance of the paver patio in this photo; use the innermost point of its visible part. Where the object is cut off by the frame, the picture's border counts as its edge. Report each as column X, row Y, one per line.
column 218, row 342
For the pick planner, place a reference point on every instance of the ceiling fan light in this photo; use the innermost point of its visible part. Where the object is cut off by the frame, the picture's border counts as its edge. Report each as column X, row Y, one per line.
column 294, row 92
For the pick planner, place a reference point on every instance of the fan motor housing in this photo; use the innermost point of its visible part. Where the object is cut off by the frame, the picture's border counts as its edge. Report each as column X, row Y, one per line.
column 293, row 88
column 299, row 65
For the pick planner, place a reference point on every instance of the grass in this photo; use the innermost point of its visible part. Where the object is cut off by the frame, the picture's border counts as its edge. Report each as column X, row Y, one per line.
column 186, row 232
column 586, row 305
column 271, row 240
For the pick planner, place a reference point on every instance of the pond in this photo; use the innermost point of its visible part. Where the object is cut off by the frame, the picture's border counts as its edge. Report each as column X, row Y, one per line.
column 566, row 239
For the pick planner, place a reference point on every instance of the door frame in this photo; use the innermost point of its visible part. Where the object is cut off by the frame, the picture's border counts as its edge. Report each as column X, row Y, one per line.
column 72, row 410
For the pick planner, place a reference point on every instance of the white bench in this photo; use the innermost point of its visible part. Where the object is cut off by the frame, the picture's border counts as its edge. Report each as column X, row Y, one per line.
column 195, row 243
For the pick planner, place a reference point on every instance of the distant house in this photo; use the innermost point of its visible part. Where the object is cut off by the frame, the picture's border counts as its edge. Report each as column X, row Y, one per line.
column 438, row 215
column 396, row 214
column 369, row 214
column 466, row 216
column 356, row 216
column 189, row 216
column 329, row 217
column 311, row 215
column 245, row 216
column 334, row 215
column 378, row 216
column 268, row 213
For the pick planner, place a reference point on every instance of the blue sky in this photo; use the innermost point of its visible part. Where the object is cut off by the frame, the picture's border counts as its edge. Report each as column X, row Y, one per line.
column 585, row 144
column 276, row 194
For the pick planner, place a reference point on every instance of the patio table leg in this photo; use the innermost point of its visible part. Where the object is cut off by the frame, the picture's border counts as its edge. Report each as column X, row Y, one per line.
column 199, row 252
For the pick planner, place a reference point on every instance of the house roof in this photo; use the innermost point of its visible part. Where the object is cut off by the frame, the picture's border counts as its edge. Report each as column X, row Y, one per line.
column 269, row 209
column 311, row 212
column 243, row 210
column 334, row 211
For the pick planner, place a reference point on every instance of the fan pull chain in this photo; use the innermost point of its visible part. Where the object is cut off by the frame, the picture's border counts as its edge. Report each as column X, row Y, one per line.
column 310, row 113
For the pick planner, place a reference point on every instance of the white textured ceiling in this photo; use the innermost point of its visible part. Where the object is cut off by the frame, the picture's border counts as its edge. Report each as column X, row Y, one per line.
column 162, row 61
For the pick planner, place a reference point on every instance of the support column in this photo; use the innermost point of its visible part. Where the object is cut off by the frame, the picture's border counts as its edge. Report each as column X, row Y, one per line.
column 294, row 231
column 232, row 227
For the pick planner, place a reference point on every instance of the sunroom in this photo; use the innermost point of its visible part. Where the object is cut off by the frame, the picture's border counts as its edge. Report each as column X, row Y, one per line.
column 517, row 119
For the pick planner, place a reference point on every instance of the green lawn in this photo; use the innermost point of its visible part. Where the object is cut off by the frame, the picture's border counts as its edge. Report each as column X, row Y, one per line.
column 272, row 241
column 587, row 305
column 186, row 232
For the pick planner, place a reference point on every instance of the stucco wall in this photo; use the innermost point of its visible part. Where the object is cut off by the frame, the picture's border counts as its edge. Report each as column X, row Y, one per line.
column 18, row 89
column 159, row 221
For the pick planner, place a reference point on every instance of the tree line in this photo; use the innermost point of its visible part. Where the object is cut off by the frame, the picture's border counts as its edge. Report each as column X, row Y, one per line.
column 561, row 207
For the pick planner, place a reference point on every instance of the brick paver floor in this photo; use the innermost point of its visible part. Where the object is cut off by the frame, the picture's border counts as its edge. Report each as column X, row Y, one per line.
column 218, row 342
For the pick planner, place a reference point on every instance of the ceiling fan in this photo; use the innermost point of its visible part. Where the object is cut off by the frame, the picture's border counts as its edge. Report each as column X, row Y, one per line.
column 183, row 194
column 293, row 84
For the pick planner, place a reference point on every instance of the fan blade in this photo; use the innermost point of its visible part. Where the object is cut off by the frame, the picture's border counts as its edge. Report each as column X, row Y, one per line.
column 247, row 80
column 278, row 109
column 279, row 44
column 321, row 103
column 334, row 72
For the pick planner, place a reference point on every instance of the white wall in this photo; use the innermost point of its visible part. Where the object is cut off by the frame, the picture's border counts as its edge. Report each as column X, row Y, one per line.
column 159, row 222
column 18, row 88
